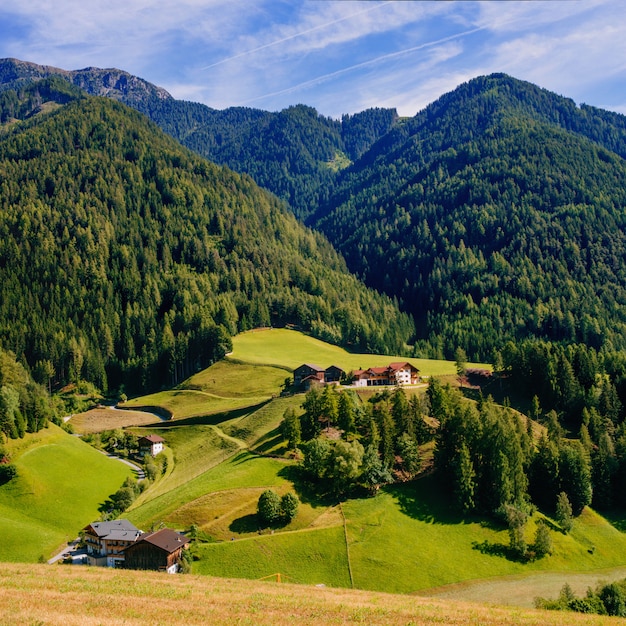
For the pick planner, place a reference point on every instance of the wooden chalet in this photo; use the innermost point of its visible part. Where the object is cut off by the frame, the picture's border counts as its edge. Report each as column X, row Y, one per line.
column 160, row 550
column 333, row 374
column 106, row 541
column 150, row 444
column 307, row 372
column 307, row 375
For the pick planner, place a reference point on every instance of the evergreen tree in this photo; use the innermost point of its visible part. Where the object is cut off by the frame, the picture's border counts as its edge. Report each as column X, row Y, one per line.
column 345, row 413
column 564, row 515
column 290, row 428
column 575, row 477
column 464, row 481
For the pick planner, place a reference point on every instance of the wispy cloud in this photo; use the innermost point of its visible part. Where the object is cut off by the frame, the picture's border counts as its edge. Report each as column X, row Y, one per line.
column 334, row 55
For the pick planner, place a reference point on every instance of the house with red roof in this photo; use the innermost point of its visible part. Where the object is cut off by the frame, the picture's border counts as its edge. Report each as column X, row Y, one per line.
column 150, row 444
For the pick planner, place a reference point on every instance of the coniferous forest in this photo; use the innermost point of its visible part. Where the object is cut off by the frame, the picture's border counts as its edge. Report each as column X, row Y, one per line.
column 126, row 259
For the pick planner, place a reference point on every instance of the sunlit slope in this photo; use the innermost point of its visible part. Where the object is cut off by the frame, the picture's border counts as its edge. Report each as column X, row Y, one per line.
column 60, row 486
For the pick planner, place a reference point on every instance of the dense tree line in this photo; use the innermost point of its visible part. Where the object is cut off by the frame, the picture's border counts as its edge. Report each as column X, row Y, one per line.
column 348, row 443
column 579, row 392
column 25, row 406
column 489, row 459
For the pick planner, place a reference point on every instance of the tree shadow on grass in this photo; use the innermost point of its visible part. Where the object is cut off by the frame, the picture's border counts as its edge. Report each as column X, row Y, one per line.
column 269, row 442
column 251, row 523
column 615, row 517
column 316, row 494
column 245, row 524
column 427, row 500
column 493, row 548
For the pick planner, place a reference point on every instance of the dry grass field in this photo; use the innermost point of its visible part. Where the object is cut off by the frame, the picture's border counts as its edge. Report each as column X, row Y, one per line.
column 97, row 420
column 82, row 596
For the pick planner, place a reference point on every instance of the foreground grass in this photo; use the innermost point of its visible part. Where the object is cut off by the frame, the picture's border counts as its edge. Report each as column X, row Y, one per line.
column 289, row 348
column 80, row 596
column 61, row 483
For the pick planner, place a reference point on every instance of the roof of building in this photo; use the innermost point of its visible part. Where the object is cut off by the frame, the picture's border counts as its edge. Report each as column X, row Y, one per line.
column 334, row 367
column 119, row 529
column 152, row 439
column 400, row 365
column 166, row 539
column 317, row 368
column 378, row 370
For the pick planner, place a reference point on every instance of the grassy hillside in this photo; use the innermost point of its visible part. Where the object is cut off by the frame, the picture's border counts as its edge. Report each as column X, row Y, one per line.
column 288, row 348
column 64, row 596
column 61, row 483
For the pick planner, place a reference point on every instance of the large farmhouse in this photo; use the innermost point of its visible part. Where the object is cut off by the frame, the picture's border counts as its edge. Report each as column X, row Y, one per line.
column 399, row 373
column 393, row 374
column 106, row 541
column 160, row 550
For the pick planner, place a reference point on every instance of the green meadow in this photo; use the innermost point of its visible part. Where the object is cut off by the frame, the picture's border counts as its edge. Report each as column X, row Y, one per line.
column 289, row 348
column 61, row 483
column 224, row 447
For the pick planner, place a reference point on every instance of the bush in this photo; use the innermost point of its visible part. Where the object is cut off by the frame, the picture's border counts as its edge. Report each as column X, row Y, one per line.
column 289, row 506
column 8, row 471
column 268, row 508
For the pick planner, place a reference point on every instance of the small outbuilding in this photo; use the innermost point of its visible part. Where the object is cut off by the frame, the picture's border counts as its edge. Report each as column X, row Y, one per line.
column 150, row 444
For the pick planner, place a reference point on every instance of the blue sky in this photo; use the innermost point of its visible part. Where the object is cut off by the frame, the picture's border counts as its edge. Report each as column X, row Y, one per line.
column 340, row 56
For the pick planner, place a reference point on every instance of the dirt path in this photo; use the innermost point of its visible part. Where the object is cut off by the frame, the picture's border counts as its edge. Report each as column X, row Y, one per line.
column 522, row 590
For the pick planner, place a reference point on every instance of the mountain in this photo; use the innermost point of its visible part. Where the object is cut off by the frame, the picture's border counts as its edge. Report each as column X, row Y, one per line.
column 124, row 257
column 495, row 214
column 111, row 83
column 293, row 153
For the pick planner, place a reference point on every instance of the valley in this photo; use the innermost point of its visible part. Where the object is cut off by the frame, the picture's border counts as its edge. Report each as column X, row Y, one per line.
column 407, row 539
column 479, row 244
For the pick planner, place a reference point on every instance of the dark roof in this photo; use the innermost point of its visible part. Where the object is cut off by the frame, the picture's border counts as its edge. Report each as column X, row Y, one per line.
column 166, row 539
column 116, row 529
column 152, row 439
column 316, row 368
column 334, row 367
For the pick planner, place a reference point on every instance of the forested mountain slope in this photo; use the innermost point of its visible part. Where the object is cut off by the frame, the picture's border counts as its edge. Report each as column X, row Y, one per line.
column 496, row 213
column 124, row 256
column 293, row 153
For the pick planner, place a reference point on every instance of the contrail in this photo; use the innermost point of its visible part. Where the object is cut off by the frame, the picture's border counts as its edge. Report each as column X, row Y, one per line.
column 384, row 57
column 295, row 36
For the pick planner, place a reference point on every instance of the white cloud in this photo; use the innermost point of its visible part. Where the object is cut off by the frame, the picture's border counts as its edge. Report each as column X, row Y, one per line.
column 334, row 54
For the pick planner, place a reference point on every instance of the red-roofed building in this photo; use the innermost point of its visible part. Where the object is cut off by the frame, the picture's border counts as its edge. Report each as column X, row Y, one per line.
column 393, row 374
column 150, row 444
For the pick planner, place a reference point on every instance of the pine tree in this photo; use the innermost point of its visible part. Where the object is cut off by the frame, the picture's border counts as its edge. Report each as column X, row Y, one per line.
column 465, row 476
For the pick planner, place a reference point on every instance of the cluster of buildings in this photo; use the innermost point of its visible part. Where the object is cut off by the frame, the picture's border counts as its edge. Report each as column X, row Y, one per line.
column 402, row 373
column 119, row 543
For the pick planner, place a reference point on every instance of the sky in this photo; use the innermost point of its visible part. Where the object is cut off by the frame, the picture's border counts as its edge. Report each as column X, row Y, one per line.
column 339, row 56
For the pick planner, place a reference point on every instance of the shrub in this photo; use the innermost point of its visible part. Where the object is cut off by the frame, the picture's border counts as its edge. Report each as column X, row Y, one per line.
column 268, row 508
column 8, row 471
column 289, row 506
